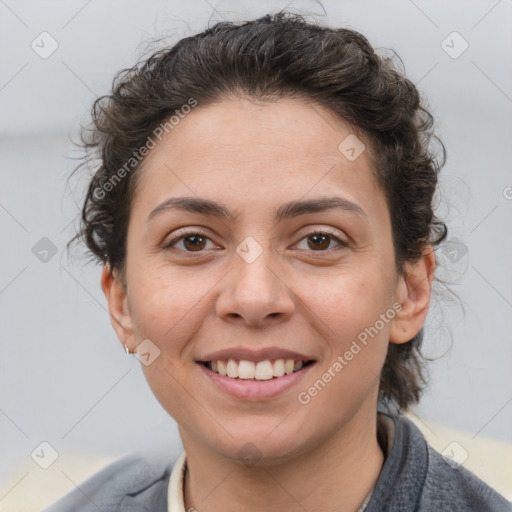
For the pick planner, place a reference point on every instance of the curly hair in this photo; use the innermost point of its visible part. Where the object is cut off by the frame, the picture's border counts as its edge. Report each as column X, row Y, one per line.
column 275, row 56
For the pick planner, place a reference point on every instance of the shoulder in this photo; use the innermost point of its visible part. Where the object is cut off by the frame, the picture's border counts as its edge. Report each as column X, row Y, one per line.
column 133, row 475
column 449, row 483
column 445, row 484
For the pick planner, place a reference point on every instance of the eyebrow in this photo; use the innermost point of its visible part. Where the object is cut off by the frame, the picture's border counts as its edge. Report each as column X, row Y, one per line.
column 286, row 211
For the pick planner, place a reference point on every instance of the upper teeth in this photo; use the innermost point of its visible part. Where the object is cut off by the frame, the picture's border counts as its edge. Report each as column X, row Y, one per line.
column 262, row 370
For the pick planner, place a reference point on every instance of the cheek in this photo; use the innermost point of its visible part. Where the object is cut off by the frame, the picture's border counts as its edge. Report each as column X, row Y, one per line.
column 166, row 308
column 356, row 347
column 169, row 386
column 356, row 328
column 352, row 303
column 168, row 311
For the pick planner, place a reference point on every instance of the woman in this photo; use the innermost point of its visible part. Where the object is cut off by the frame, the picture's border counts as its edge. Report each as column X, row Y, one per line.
column 263, row 213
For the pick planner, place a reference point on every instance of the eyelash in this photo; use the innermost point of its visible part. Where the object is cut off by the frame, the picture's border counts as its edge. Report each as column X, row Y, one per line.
column 170, row 245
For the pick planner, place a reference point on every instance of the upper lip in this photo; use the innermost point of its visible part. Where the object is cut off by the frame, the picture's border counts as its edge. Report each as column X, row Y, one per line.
column 255, row 355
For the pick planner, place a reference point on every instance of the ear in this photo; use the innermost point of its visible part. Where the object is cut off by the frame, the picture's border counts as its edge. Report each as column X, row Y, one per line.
column 413, row 293
column 116, row 294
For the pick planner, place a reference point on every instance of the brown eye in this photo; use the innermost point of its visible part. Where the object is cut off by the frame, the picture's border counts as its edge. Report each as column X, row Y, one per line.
column 190, row 242
column 320, row 241
column 194, row 242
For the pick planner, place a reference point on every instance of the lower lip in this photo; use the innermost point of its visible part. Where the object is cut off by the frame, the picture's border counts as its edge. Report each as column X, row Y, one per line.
column 256, row 389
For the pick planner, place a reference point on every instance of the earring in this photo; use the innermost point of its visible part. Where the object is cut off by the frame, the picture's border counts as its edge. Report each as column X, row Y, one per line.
column 127, row 350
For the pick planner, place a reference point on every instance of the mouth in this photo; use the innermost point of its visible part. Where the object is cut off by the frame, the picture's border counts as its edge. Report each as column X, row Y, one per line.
column 255, row 375
column 264, row 370
column 258, row 380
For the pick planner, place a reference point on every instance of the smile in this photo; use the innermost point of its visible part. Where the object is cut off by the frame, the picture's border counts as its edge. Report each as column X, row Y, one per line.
column 255, row 381
column 256, row 370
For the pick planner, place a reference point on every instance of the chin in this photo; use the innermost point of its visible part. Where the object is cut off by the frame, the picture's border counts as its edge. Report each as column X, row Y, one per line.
column 260, row 442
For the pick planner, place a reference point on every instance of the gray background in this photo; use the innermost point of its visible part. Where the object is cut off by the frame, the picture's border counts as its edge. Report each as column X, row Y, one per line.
column 64, row 376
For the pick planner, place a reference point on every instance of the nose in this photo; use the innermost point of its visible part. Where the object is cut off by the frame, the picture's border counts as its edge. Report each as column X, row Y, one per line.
column 255, row 293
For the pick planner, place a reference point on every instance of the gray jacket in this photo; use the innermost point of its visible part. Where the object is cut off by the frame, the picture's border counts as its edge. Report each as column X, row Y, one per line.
column 414, row 478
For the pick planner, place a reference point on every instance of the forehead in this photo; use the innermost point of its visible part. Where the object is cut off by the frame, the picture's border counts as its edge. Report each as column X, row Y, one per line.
column 237, row 149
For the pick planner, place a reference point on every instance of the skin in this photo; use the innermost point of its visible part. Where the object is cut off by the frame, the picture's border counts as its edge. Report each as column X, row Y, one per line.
column 299, row 294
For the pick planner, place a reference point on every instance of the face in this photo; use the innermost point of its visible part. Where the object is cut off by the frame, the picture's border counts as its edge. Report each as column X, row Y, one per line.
column 256, row 281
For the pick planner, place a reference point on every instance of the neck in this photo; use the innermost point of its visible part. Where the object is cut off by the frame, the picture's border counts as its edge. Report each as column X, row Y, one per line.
column 337, row 475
